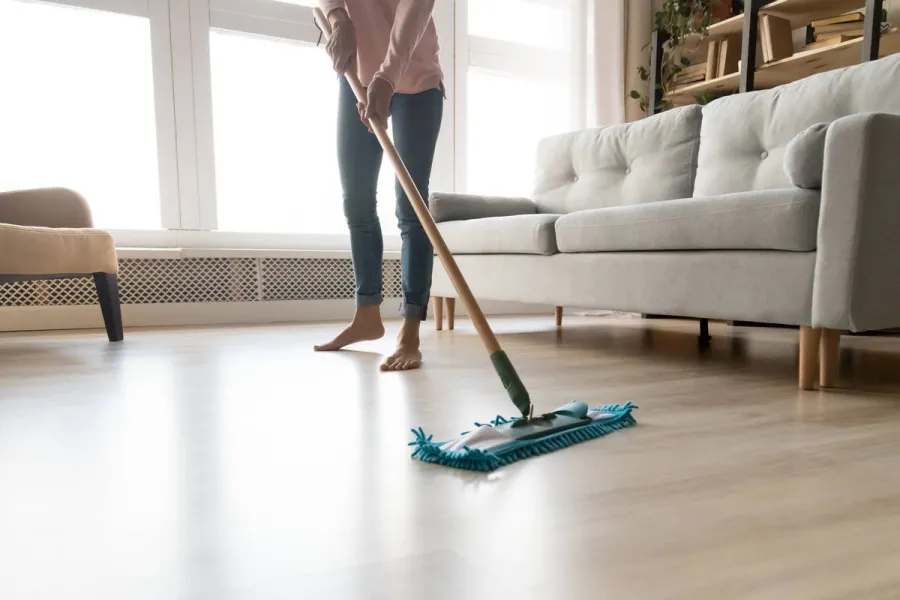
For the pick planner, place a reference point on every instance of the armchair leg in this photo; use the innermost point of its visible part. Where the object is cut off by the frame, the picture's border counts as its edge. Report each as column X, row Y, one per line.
column 809, row 356
column 438, row 313
column 704, row 333
column 559, row 315
column 829, row 358
column 108, row 294
column 451, row 313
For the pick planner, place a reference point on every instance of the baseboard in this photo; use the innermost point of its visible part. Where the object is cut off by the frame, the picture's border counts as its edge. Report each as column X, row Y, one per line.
column 49, row 318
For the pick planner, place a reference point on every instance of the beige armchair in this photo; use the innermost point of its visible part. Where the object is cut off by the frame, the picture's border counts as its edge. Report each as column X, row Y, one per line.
column 48, row 234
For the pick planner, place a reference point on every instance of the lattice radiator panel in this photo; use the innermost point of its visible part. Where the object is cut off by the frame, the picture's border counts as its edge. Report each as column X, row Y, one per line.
column 191, row 280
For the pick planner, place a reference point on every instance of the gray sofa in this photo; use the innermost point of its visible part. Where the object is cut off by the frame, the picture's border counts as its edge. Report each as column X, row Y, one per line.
column 779, row 206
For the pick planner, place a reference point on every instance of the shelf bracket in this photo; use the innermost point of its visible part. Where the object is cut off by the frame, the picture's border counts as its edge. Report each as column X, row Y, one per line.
column 748, row 43
column 872, row 30
column 654, row 96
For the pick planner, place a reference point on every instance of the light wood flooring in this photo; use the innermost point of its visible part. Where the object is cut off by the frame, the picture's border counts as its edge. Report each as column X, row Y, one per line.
column 236, row 464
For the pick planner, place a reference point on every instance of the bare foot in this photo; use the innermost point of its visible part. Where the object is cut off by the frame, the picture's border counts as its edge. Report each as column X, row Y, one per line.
column 407, row 355
column 366, row 327
column 404, row 358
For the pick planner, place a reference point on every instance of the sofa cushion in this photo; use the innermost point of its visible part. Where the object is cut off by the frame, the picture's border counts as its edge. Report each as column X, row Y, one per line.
column 804, row 157
column 784, row 219
column 743, row 137
column 37, row 251
column 520, row 234
column 456, row 207
column 646, row 161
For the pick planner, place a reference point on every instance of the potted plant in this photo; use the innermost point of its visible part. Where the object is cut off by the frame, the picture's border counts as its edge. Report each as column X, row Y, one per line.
column 685, row 24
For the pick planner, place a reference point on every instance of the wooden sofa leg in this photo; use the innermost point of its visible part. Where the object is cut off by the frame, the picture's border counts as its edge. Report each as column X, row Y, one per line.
column 438, row 313
column 108, row 294
column 559, row 314
column 829, row 358
column 704, row 333
column 451, row 313
column 809, row 356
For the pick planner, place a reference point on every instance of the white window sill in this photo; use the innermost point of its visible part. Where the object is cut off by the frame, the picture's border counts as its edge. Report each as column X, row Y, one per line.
column 177, row 253
column 239, row 244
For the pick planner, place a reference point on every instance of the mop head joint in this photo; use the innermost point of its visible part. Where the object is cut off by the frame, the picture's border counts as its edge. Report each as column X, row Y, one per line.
column 495, row 444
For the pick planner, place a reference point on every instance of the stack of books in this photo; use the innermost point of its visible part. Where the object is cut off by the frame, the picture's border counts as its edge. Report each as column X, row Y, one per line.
column 835, row 30
column 691, row 74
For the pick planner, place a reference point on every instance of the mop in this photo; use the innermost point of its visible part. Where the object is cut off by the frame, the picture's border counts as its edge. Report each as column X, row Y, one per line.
column 503, row 440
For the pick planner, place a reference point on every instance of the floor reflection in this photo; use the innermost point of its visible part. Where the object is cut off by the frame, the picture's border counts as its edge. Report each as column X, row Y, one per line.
column 235, row 463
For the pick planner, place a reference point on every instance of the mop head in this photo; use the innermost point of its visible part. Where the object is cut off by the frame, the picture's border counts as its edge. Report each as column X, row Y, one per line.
column 504, row 441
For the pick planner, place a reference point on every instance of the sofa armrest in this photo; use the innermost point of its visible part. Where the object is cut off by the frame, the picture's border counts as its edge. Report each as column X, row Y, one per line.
column 45, row 207
column 857, row 276
column 460, row 207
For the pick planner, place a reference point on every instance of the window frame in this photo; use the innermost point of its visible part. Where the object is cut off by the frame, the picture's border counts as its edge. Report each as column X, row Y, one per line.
column 517, row 60
column 158, row 15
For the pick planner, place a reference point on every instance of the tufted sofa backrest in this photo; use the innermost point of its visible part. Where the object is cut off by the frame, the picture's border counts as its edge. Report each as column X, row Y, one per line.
column 646, row 161
column 743, row 137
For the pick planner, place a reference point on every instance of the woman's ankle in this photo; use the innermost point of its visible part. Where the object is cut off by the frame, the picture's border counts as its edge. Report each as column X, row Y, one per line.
column 409, row 331
column 368, row 314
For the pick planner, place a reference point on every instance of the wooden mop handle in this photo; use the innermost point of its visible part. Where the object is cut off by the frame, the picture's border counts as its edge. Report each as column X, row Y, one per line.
column 462, row 288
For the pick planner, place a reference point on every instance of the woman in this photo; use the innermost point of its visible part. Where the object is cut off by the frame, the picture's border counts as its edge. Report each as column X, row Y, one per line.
column 393, row 46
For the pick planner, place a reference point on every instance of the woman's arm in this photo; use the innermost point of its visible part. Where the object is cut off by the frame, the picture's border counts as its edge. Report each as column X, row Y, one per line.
column 410, row 22
column 329, row 5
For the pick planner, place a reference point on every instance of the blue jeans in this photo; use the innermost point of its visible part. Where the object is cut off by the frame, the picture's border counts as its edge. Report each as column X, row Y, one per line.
column 415, row 121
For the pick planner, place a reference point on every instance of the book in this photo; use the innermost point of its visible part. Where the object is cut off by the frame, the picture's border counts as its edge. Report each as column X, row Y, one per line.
column 821, row 37
column 692, row 69
column 764, row 40
column 712, row 60
column 690, row 78
column 831, row 41
column 729, row 55
column 839, row 28
column 856, row 17
column 777, row 37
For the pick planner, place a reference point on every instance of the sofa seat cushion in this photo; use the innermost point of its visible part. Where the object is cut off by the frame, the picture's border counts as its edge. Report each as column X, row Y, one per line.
column 37, row 251
column 785, row 219
column 519, row 234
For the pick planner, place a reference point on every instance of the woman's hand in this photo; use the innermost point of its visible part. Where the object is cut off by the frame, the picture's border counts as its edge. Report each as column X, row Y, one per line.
column 341, row 45
column 378, row 102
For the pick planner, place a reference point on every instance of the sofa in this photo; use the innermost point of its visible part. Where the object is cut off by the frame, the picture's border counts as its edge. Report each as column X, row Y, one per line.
column 779, row 206
column 48, row 233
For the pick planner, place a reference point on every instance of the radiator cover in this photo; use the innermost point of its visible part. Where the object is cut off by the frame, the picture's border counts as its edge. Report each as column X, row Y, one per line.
column 204, row 280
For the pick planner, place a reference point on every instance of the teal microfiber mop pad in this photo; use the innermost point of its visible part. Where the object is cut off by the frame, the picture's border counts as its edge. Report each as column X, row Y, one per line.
column 506, row 440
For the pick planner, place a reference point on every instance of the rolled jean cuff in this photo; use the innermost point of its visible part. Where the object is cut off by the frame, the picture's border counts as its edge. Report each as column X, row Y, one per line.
column 373, row 300
column 413, row 311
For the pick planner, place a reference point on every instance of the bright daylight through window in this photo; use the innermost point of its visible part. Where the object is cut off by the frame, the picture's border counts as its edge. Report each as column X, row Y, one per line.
column 77, row 108
column 219, row 116
column 517, row 90
column 275, row 118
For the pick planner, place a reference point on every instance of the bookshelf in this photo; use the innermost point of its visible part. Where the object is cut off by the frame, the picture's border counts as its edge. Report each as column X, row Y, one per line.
column 804, row 64
column 773, row 26
column 731, row 26
column 801, row 12
column 687, row 94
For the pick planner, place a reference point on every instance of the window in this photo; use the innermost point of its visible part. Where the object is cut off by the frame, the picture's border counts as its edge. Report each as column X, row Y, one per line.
column 273, row 109
column 517, row 90
column 539, row 23
column 507, row 116
column 275, row 122
column 77, row 108
column 186, row 122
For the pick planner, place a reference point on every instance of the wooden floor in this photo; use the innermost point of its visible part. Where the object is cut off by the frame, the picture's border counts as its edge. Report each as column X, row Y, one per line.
column 235, row 463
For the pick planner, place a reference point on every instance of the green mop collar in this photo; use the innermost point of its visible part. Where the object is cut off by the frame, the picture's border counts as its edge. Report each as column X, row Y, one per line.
column 614, row 417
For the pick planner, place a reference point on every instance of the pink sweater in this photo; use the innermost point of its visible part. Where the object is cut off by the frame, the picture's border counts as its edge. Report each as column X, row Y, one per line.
column 396, row 40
